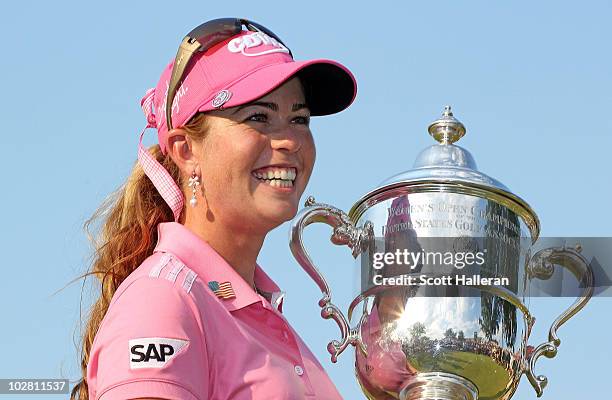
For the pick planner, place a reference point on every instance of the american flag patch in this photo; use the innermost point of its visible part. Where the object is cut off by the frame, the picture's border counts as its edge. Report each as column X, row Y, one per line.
column 222, row 290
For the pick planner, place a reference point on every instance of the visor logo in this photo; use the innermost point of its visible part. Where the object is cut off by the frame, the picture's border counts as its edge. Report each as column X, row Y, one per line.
column 180, row 93
column 243, row 43
column 221, row 98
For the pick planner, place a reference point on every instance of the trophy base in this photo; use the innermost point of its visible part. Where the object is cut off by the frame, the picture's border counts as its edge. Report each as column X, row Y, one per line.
column 439, row 386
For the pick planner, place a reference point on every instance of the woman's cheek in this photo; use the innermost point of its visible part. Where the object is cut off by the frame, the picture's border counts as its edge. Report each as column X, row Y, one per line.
column 249, row 148
column 309, row 161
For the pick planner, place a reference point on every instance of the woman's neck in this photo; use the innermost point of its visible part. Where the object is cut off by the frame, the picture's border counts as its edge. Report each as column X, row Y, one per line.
column 239, row 248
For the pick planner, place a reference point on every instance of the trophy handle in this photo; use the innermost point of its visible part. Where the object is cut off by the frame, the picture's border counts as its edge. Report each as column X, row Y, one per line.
column 542, row 266
column 344, row 233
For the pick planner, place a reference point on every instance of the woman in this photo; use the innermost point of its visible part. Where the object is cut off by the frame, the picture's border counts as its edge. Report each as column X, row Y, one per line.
column 185, row 312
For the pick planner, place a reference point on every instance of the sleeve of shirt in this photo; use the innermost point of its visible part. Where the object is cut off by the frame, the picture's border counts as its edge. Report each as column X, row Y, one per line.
column 151, row 344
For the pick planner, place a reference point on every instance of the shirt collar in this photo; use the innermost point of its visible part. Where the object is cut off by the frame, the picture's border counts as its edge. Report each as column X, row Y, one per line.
column 175, row 238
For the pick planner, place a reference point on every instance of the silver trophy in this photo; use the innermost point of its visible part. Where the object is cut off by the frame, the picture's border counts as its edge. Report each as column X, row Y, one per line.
column 429, row 330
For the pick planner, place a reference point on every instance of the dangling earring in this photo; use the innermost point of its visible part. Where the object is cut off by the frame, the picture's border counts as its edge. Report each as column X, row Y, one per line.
column 194, row 182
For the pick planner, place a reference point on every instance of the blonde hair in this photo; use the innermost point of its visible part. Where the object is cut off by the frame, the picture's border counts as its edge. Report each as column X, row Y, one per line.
column 126, row 237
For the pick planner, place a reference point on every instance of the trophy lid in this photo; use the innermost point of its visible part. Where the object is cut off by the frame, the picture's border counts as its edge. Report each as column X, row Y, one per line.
column 445, row 160
column 446, row 167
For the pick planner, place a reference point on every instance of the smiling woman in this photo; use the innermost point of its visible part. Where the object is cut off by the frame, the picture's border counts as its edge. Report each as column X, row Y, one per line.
column 185, row 311
column 249, row 153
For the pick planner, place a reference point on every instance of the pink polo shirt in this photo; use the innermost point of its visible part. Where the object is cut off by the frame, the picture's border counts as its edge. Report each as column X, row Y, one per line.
column 168, row 335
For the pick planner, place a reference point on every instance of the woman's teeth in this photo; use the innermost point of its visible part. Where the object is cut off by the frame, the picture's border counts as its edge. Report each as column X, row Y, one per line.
column 277, row 177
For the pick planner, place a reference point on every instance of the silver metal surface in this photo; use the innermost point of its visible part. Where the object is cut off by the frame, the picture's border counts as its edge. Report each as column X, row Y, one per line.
column 344, row 233
column 447, row 129
column 446, row 167
column 439, row 386
column 418, row 342
column 542, row 267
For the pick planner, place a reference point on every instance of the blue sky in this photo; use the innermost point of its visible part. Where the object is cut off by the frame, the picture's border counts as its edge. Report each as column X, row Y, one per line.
column 530, row 80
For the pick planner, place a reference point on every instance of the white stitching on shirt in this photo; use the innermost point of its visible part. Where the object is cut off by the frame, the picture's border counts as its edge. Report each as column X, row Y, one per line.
column 189, row 279
column 178, row 266
column 156, row 270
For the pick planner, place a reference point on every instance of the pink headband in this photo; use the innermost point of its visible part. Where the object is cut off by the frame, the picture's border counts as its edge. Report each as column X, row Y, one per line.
column 156, row 172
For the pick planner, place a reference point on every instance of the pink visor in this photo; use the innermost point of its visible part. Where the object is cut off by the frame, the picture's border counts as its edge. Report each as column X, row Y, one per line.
column 236, row 71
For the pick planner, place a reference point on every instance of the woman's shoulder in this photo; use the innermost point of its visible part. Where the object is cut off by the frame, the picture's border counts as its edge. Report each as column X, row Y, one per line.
column 161, row 271
column 151, row 336
column 158, row 292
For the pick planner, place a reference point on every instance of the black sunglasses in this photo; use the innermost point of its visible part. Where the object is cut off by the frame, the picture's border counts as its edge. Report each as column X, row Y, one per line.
column 203, row 38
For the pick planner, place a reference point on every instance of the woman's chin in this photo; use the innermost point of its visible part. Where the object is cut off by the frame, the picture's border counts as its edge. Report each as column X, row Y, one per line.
column 278, row 212
column 276, row 205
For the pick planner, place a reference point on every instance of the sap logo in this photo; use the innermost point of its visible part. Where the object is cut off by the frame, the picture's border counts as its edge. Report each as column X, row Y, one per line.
column 154, row 352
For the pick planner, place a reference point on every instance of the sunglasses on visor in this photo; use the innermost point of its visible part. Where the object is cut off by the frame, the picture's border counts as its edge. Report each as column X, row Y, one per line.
column 201, row 39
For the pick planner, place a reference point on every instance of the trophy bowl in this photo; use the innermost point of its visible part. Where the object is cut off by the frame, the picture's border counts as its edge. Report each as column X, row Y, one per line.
column 446, row 255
